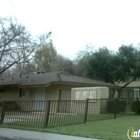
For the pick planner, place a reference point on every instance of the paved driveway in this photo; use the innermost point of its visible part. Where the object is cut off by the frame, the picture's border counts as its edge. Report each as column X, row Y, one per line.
column 21, row 116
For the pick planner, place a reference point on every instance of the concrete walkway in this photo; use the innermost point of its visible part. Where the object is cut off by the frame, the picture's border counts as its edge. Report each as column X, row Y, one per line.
column 14, row 134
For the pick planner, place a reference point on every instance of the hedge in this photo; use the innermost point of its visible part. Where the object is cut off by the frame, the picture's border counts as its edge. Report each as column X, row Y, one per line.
column 136, row 107
column 121, row 106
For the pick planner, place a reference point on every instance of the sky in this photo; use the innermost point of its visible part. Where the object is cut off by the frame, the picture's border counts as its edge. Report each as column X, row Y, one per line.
column 77, row 23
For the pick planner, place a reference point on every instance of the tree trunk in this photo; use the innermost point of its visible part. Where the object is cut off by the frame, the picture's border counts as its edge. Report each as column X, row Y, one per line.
column 119, row 93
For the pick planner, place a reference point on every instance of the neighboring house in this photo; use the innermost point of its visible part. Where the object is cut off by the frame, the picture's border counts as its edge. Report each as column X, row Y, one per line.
column 132, row 90
column 45, row 86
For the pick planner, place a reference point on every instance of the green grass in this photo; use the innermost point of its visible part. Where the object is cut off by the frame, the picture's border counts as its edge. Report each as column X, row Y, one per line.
column 112, row 129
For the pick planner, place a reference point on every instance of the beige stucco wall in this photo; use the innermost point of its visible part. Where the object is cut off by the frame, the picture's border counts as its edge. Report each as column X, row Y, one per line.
column 12, row 94
column 51, row 93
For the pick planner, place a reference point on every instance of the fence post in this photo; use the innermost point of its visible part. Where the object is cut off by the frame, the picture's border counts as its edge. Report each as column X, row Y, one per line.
column 47, row 114
column 115, row 108
column 86, row 110
column 2, row 112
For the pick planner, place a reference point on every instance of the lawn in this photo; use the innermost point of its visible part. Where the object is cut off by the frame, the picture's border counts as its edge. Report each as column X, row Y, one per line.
column 112, row 129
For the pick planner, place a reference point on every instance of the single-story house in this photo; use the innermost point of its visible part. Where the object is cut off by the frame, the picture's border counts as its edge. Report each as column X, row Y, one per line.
column 45, row 86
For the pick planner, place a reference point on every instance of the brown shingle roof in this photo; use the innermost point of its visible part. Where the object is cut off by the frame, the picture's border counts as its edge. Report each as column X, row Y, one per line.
column 52, row 77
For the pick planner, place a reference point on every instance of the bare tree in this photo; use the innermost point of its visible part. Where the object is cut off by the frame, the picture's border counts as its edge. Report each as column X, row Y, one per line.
column 17, row 46
column 63, row 63
column 81, row 60
column 45, row 57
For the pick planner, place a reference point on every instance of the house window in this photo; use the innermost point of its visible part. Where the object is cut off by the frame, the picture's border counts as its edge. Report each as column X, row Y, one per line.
column 21, row 92
column 136, row 93
column 92, row 94
column 127, row 94
column 78, row 95
column 84, row 94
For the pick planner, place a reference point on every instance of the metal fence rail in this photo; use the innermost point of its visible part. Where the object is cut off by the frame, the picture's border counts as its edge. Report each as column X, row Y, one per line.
column 66, row 113
column 26, row 113
column 97, row 110
column 53, row 113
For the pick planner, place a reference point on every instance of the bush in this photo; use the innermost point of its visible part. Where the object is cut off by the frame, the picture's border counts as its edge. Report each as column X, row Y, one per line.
column 110, row 106
column 136, row 107
column 121, row 106
column 11, row 106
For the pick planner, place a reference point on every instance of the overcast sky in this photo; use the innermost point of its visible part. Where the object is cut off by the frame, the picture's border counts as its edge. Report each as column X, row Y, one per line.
column 75, row 23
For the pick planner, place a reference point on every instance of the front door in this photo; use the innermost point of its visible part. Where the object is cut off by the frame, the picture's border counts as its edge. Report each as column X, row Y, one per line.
column 40, row 97
column 64, row 101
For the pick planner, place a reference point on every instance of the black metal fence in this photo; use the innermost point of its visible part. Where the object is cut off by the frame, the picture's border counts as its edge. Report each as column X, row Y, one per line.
column 53, row 113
